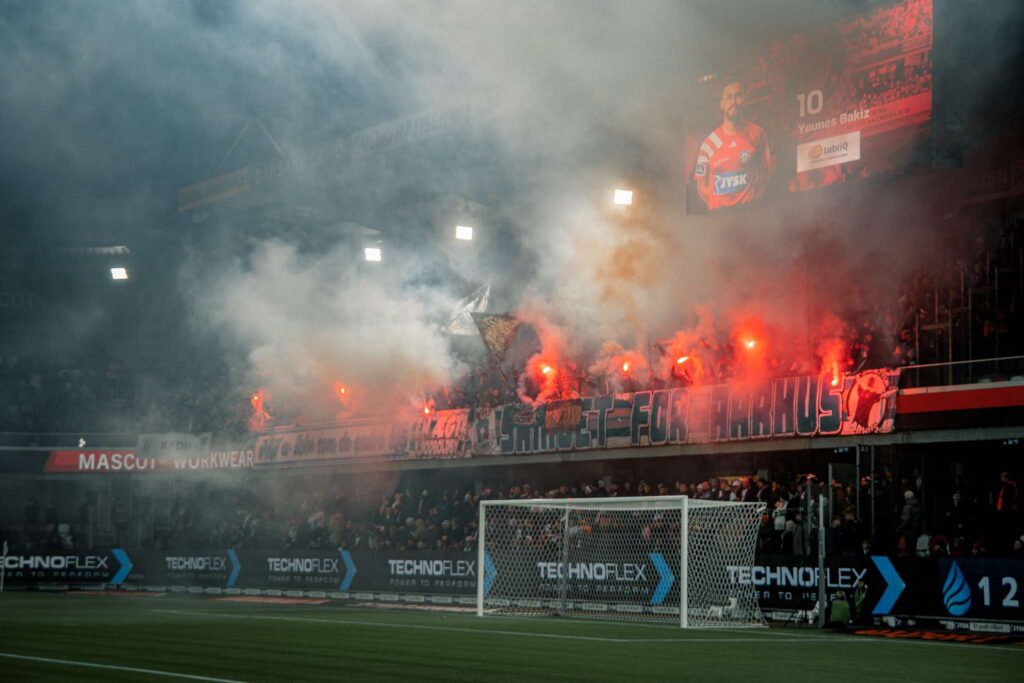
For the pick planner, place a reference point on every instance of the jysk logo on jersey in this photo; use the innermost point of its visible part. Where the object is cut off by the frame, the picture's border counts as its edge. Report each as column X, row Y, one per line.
column 730, row 183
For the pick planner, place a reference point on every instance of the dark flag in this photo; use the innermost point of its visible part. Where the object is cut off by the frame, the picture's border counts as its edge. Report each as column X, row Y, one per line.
column 497, row 331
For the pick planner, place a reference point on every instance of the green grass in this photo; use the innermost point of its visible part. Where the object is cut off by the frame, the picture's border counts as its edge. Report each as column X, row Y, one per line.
column 253, row 642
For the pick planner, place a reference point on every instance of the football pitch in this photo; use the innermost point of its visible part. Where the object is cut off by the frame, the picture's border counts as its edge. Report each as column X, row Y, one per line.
column 90, row 637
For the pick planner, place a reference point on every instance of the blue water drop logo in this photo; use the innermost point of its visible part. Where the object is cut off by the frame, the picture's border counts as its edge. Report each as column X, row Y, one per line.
column 956, row 595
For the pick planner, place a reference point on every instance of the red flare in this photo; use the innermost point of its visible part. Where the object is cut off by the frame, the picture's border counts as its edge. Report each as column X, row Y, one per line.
column 751, row 343
column 259, row 418
column 682, row 359
column 547, row 369
column 426, row 410
column 625, row 366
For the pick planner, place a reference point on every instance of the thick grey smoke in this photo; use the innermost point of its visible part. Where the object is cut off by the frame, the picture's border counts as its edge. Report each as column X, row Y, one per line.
column 312, row 323
column 109, row 108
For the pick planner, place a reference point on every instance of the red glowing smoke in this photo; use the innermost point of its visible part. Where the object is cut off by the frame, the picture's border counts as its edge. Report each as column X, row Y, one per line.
column 550, row 374
column 618, row 369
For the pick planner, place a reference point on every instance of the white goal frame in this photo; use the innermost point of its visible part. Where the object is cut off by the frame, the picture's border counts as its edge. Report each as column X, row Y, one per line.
column 684, row 505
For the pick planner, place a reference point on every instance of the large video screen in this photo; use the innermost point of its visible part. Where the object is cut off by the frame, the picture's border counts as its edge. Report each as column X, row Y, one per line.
column 848, row 100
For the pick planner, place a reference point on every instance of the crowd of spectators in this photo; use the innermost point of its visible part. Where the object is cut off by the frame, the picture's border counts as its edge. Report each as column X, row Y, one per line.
column 52, row 394
column 334, row 514
column 888, row 29
column 62, row 394
column 892, row 81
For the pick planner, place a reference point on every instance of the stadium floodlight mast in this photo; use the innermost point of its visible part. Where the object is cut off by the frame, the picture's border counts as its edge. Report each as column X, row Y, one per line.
column 666, row 559
column 373, row 254
column 464, row 232
column 622, row 197
column 118, row 273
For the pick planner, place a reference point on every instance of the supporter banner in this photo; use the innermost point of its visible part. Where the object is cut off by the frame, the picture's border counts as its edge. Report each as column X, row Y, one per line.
column 442, row 434
column 107, row 461
column 562, row 416
column 786, row 407
column 357, row 440
column 174, row 445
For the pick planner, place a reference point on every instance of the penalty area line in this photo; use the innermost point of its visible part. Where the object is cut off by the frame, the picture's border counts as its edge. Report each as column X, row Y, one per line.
column 115, row 667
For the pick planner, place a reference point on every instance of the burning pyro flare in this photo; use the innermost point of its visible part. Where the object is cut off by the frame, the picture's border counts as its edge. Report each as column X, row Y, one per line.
column 625, row 366
column 259, row 418
column 751, row 343
column 547, row 369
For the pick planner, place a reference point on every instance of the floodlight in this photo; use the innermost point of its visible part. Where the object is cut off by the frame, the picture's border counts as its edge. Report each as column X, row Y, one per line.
column 119, row 273
column 623, row 197
column 373, row 254
column 464, row 232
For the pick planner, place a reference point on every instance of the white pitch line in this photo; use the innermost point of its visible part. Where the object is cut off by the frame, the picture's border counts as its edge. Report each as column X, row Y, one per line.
column 114, row 667
column 776, row 638
column 424, row 627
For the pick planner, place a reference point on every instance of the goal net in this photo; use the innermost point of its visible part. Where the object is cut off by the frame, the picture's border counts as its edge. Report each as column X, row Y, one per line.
column 663, row 559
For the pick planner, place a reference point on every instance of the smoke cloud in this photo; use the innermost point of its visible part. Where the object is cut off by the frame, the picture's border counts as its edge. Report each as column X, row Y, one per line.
column 110, row 108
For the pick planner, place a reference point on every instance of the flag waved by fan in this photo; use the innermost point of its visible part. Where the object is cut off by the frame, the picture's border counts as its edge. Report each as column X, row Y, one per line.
column 461, row 321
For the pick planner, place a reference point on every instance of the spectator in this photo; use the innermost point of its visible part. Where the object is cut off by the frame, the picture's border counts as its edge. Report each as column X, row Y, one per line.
column 833, row 537
column 31, row 517
column 910, row 523
column 958, row 521
column 861, row 616
column 1007, row 507
column 840, row 613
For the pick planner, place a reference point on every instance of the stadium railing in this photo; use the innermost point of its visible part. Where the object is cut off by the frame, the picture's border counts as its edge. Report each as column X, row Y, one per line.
column 1008, row 368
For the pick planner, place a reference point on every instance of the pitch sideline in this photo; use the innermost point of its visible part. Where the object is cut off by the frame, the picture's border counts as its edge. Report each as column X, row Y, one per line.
column 115, row 667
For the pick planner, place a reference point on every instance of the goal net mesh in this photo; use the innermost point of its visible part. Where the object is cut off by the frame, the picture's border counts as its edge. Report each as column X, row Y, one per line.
column 620, row 559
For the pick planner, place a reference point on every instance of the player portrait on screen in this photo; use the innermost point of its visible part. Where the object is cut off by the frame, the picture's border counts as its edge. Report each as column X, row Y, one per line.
column 734, row 162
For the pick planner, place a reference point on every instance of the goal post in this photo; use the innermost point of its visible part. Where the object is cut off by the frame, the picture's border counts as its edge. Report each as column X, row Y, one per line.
column 668, row 559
